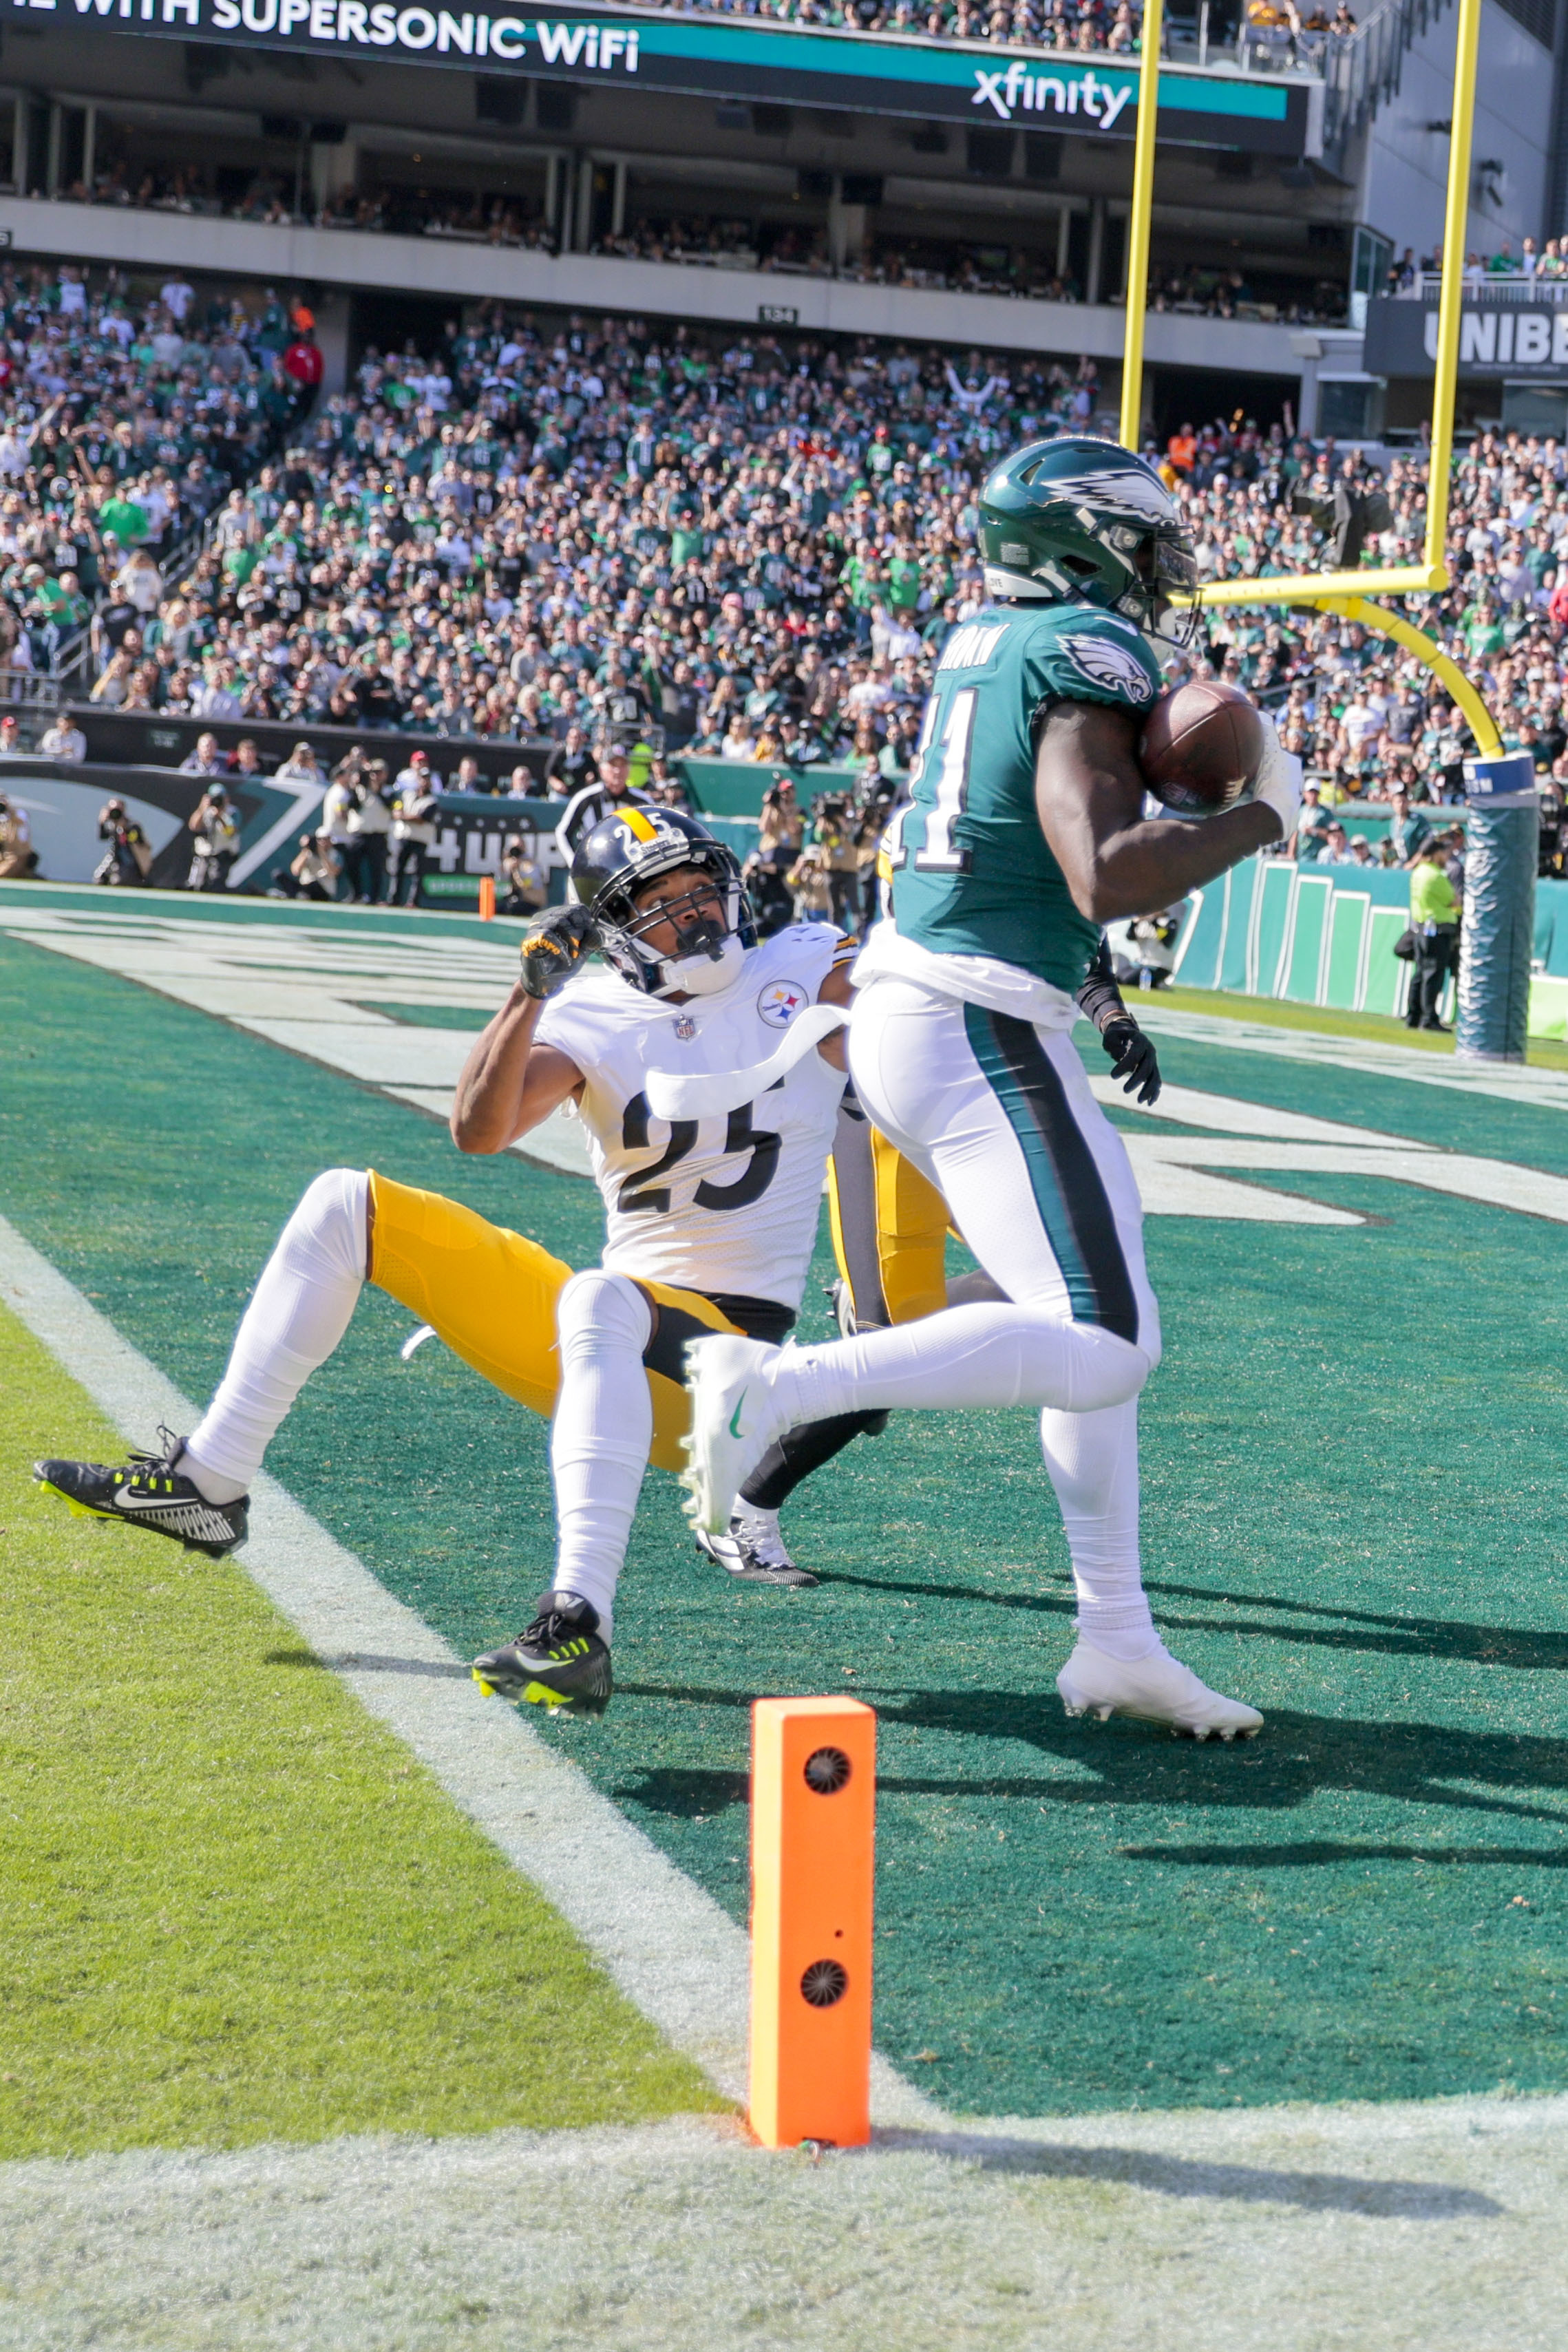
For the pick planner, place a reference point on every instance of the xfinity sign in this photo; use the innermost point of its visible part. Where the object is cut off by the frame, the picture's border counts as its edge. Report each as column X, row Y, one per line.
column 1038, row 93
column 736, row 57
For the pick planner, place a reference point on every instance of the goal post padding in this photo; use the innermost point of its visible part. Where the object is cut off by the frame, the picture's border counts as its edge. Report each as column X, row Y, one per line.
column 1501, row 848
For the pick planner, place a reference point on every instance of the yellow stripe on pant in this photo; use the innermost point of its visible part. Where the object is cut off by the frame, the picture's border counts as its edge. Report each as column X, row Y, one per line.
column 490, row 1296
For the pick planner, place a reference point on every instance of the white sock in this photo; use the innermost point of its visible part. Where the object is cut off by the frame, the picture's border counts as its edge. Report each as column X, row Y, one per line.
column 299, row 1311
column 600, row 1437
column 1092, row 1458
column 974, row 1357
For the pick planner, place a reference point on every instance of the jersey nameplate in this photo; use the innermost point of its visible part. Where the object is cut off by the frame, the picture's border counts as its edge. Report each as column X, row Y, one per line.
column 973, row 646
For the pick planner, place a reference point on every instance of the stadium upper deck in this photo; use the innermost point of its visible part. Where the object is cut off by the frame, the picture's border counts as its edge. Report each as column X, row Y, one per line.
column 934, row 170
column 965, row 185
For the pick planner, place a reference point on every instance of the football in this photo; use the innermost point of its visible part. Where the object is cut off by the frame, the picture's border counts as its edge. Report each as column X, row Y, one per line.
column 1201, row 747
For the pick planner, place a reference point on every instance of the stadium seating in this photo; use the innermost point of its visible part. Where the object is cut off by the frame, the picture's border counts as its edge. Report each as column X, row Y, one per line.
column 749, row 546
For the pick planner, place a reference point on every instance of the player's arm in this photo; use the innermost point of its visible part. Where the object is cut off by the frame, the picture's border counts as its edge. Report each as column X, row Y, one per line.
column 1088, row 794
column 836, row 989
column 1133, row 1056
column 508, row 1083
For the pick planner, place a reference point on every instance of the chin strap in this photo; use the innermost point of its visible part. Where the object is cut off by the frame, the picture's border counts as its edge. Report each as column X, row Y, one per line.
column 710, row 1093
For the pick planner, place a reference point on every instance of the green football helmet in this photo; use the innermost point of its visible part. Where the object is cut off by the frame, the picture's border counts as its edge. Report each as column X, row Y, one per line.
column 1077, row 521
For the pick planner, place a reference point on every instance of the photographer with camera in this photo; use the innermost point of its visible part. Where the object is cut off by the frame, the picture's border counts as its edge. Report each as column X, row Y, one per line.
column 524, row 874
column 414, row 804
column 782, row 828
column 315, row 872
column 19, row 858
column 836, row 835
column 764, row 876
column 217, row 845
column 128, row 860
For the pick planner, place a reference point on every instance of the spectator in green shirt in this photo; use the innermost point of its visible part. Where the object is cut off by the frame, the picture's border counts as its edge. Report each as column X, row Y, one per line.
column 1408, row 830
column 1311, row 827
column 124, row 517
column 1434, row 919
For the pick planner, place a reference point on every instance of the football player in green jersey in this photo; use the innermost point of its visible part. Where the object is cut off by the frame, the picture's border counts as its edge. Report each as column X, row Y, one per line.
column 1025, row 833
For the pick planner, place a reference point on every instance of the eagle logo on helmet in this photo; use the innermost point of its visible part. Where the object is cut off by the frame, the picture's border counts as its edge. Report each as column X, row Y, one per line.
column 1115, row 668
column 1137, row 495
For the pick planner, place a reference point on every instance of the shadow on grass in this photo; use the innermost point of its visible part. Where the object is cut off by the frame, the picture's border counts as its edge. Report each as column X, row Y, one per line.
column 365, row 1663
column 1356, row 1629
column 1173, row 2176
column 1295, row 1757
column 1317, row 1854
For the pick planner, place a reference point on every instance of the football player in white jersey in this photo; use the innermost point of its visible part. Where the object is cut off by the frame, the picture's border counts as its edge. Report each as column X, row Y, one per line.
column 708, row 1070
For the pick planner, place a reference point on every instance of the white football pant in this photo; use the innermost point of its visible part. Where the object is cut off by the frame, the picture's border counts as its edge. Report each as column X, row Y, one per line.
column 998, row 1113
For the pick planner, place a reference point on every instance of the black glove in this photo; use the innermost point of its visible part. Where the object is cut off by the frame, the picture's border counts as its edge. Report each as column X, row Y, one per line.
column 553, row 945
column 1133, row 1057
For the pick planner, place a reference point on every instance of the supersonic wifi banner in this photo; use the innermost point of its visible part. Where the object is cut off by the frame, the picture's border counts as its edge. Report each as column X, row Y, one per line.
column 1093, row 97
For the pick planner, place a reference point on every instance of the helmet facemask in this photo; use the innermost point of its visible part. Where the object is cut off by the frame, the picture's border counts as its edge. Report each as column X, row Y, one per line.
column 1165, row 567
column 712, row 920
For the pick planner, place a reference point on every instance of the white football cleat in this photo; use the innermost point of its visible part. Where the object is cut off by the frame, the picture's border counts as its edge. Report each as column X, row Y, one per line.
column 732, row 1423
column 1155, row 1689
column 754, row 1551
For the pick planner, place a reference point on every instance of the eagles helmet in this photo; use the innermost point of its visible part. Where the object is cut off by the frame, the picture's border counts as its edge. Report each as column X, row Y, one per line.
column 634, row 846
column 1084, row 522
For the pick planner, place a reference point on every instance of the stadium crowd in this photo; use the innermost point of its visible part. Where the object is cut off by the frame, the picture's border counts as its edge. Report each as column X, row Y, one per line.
column 597, row 531
column 1090, row 25
column 123, row 424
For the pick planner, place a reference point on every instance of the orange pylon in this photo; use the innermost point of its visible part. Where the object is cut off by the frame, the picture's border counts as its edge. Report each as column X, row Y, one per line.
column 486, row 898
column 814, row 1820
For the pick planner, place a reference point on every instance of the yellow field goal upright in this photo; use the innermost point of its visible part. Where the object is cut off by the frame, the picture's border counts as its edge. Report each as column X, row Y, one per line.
column 1346, row 593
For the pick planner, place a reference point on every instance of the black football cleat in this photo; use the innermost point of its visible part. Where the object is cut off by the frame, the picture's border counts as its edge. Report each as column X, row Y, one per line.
column 558, row 1662
column 148, row 1491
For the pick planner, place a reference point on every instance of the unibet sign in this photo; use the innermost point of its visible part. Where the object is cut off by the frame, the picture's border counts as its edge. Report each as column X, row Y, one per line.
column 1498, row 338
column 1507, row 338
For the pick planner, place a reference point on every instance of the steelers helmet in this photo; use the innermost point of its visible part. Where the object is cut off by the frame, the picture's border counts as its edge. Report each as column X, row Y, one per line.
column 1079, row 520
column 634, row 846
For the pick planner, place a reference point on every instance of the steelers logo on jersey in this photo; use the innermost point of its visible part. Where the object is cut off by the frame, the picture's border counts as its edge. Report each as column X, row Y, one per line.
column 781, row 1001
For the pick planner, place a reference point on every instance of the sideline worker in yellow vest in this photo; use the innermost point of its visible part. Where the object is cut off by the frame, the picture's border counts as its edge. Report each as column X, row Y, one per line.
column 1434, row 919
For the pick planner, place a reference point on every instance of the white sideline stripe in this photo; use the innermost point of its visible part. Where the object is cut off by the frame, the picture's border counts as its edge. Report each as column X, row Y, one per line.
column 669, row 1946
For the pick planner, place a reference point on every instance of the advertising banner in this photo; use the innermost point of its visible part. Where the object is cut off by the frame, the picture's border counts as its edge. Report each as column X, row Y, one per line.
column 1500, row 335
column 62, row 803
column 980, row 83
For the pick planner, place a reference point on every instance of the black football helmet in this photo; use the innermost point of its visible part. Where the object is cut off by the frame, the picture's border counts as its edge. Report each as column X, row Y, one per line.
column 634, row 846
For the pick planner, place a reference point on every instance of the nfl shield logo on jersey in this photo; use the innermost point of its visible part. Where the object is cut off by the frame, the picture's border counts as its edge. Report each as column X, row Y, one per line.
column 781, row 1001
column 685, row 1028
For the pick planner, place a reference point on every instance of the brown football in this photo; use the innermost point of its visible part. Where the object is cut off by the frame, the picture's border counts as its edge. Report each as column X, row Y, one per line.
column 1201, row 747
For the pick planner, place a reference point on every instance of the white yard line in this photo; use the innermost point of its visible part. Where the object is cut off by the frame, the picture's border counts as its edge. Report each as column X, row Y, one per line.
column 1430, row 2228
column 1366, row 1056
column 667, row 1945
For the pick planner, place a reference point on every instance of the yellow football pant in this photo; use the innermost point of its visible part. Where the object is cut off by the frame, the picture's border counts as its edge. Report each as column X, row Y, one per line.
column 889, row 1227
column 491, row 1295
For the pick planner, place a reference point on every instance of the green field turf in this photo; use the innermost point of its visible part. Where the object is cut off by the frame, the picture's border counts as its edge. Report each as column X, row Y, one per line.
column 1378, row 1028
column 1354, row 1504
column 232, row 1908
